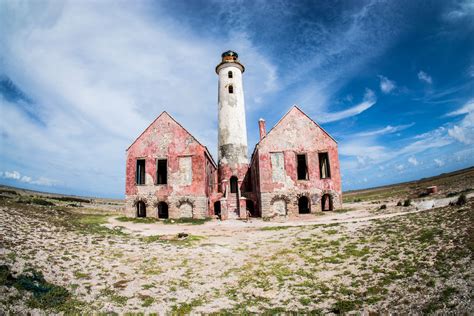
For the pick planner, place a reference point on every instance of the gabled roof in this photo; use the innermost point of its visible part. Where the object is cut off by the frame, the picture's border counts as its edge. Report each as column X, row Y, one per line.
column 174, row 120
column 295, row 108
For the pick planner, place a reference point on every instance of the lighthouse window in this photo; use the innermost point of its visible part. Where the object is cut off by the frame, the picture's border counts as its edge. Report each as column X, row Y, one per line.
column 231, row 89
column 230, row 74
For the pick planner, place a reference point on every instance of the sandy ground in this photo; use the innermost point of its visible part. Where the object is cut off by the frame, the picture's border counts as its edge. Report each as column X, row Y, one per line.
column 405, row 260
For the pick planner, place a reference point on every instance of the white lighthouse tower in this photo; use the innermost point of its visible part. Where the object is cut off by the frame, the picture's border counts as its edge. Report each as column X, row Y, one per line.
column 232, row 143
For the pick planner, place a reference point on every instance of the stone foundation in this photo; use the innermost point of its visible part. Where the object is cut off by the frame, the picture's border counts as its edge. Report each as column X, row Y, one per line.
column 284, row 204
column 178, row 206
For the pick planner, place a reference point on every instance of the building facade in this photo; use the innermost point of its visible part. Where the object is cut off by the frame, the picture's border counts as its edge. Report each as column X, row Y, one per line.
column 293, row 171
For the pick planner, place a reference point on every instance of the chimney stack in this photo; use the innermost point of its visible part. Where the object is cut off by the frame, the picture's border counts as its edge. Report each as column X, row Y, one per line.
column 261, row 128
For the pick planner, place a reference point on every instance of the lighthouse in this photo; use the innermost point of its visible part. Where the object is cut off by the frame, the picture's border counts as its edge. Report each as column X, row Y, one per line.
column 232, row 131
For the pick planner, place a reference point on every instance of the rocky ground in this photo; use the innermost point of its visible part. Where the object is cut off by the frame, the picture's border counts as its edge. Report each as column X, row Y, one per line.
column 365, row 258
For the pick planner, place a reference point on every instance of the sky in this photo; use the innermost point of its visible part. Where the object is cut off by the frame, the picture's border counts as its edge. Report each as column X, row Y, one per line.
column 391, row 81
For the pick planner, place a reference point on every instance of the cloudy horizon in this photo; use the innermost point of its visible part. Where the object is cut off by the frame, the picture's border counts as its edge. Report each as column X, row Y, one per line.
column 392, row 82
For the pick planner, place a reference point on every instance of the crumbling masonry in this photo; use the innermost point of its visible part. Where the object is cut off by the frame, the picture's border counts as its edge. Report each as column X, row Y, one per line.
column 293, row 171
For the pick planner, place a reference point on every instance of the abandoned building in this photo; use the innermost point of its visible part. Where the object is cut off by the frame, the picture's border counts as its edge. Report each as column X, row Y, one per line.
column 293, row 170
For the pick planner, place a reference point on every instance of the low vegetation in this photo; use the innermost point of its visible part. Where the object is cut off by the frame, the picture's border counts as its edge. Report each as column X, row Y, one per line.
column 69, row 260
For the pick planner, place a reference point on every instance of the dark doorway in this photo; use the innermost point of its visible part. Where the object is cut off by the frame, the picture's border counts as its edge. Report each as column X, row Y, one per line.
column 251, row 208
column 233, row 184
column 141, row 209
column 303, row 205
column 326, row 203
column 302, row 167
column 217, row 209
column 162, row 210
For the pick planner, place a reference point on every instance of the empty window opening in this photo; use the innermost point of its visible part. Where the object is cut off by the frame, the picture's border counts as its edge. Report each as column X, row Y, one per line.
column 140, row 173
column 163, row 210
column 217, row 209
column 230, row 74
column 303, row 205
column 141, row 209
column 162, row 171
column 231, row 89
column 233, row 184
column 302, row 167
column 324, row 169
column 326, row 203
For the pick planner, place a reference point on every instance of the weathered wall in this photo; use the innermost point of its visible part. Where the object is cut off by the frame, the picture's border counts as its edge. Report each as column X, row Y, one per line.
column 189, row 170
column 279, row 186
column 232, row 129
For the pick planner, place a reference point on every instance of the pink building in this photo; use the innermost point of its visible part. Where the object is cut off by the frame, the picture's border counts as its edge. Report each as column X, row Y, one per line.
column 293, row 171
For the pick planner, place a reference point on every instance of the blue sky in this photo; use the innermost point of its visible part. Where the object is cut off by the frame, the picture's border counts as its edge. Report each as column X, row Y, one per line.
column 392, row 81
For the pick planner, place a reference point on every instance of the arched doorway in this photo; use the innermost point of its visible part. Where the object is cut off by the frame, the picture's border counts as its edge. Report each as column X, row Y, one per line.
column 303, row 205
column 163, row 210
column 217, row 208
column 326, row 203
column 141, row 209
column 233, row 184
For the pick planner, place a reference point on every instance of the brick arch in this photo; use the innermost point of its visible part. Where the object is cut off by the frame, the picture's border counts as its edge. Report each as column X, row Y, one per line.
column 334, row 197
column 157, row 201
column 184, row 201
column 140, row 199
column 280, row 197
column 279, row 205
column 186, row 208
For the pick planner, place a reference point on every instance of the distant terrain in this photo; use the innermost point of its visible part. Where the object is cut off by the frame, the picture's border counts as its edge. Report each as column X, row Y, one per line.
column 391, row 249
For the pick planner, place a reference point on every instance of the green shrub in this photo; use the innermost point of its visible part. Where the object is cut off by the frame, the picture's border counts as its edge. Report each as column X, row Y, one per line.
column 462, row 199
column 383, row 207
column 407, row 202
column 44, row 294
column 399, row 203
column 192, row 221
column 69, row 199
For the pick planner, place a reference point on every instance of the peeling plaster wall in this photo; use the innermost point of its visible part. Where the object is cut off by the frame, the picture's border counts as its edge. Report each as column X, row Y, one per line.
column 277, row 166
column 189, row 170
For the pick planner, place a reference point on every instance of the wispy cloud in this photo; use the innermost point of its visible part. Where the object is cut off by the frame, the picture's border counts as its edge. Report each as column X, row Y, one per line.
column 96, row 81
column 464, row 130
column 465, row 109
column 368, row 101
column 385, row 130
column 413, row 161
column 423, row 76
column 386, row 85
column 439, row 162
column 460, row 10
column 17, row 176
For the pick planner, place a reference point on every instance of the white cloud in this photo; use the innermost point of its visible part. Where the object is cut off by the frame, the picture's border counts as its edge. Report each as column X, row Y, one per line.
column 369, row 100
column 386, row 85
column 386, row 130
column 400, row 167
column 413, row 161
column 439, row 162
column 464, row 131
column 465, row 109
column 433, row 139
column 423, row 76
column 97, row 80
column 460, row 10
column 17, row 176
